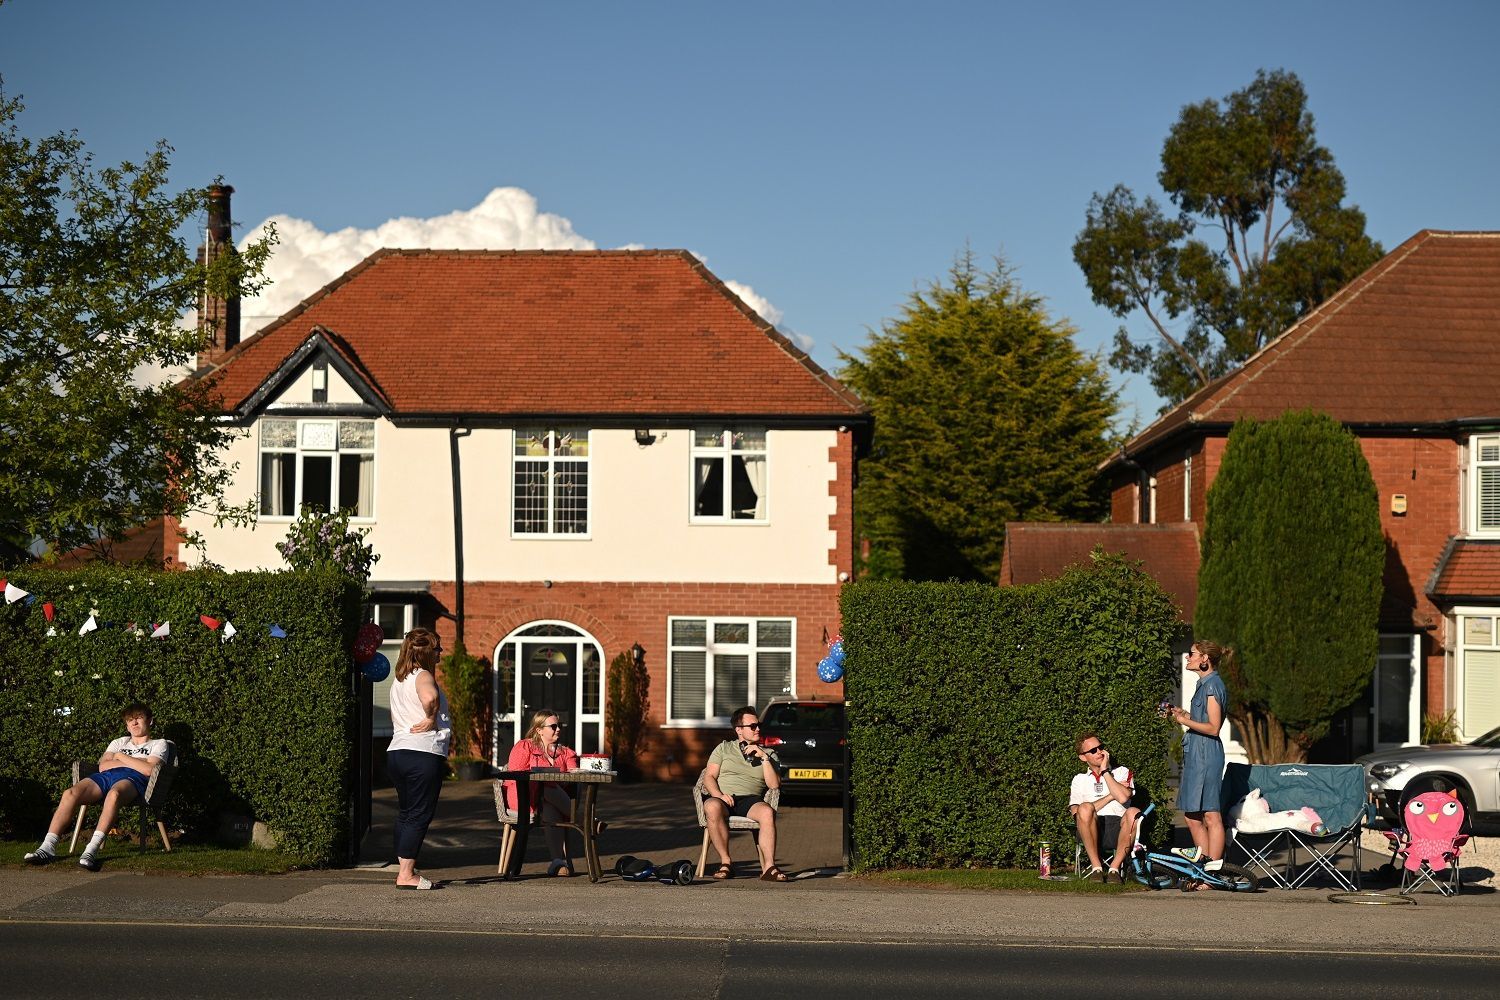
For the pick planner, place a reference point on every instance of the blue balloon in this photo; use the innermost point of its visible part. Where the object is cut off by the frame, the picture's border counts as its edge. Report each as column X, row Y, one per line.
column 377, row 669
column 836, row 651
column 830, row 670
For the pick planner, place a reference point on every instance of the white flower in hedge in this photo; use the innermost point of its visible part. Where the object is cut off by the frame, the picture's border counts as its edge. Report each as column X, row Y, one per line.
column 139, row 633
column 57, row 673
column 96, row 677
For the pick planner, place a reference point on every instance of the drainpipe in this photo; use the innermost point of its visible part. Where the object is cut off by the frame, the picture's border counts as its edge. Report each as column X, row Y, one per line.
column 454, row 433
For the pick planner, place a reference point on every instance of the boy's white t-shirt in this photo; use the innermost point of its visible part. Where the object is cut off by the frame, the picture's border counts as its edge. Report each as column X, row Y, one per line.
column 150, row 748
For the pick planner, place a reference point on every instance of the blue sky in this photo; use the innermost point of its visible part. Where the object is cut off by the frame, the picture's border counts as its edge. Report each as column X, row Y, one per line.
column 831, row 157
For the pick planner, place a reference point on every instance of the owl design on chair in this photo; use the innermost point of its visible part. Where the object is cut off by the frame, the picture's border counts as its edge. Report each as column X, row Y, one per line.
column 1433, row 821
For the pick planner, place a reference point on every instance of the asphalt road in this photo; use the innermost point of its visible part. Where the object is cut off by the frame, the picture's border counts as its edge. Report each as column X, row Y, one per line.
column 165, row 960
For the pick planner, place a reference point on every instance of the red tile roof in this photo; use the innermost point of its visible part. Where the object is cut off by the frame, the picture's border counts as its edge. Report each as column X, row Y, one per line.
column 1411, row 341
column 1168, row 552
column 613, row 332
column 1469, row 567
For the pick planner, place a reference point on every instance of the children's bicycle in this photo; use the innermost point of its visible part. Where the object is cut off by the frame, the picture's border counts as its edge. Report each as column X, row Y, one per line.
column 1164, row 871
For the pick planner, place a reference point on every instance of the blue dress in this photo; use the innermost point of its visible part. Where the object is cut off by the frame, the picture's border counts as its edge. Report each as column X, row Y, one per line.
column 1203, row 756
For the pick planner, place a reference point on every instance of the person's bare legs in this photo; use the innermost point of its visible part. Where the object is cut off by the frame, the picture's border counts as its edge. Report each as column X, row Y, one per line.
column 1198, row 830
column 120, row 796
column 716, row 814
column 1127, row 839
column 1213, row 833
column 85, row 793
column 1088, row 832
column 766, row 842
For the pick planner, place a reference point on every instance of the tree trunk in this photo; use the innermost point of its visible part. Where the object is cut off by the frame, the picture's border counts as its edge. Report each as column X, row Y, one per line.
column 1266, row 739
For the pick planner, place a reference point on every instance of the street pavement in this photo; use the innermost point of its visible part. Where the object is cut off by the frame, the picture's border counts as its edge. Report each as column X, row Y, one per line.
column 820, row 906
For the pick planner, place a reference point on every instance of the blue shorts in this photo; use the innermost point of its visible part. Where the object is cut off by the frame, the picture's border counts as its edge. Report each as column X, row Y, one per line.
column 108, row 779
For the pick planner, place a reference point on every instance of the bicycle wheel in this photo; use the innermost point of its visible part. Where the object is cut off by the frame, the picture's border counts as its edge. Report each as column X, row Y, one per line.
column 1154, row 874
column 1233, row 878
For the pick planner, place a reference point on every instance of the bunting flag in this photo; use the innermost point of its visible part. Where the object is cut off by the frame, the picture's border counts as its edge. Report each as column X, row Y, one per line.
column 229, row 631
column 89, row 626
column 277, row 632
column 13, row 593
column 52, row 633
column 162, row 631
column 49, row 610
column 209, row 622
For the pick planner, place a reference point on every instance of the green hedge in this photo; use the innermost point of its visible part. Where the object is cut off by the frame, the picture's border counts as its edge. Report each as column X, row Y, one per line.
column 965, row 701
column 264, row 726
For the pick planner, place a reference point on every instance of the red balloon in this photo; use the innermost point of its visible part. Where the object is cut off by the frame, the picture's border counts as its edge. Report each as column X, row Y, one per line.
column 367, row 642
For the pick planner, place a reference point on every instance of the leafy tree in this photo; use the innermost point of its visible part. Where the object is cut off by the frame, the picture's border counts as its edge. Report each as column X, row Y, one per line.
column 1250, row 175
column 985, row 412
column 626, row 711
column 94, row 284
column 1291, row 571
column 466, row 681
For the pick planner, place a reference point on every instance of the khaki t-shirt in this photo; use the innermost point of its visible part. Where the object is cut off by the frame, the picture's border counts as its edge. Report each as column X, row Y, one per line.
column 737, row 776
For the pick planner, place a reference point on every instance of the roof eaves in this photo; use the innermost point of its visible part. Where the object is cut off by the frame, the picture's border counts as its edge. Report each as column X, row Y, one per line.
column 319, row 341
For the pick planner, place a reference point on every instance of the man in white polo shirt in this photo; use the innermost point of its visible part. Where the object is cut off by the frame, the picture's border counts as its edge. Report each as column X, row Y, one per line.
column 1101, row 793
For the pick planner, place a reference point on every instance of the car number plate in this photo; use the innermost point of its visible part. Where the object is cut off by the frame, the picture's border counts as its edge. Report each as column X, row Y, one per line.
column 810, row 773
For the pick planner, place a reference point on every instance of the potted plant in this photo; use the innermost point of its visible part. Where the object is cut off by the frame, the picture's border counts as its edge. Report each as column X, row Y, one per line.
column 626, row 711
column 467, row 684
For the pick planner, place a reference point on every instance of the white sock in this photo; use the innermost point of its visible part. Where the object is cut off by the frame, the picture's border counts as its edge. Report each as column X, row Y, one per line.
column 95, row 842
column 49, row 844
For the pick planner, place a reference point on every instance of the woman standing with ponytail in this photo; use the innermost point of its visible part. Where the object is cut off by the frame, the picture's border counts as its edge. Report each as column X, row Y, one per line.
column 1203, row 755
column 417, row 760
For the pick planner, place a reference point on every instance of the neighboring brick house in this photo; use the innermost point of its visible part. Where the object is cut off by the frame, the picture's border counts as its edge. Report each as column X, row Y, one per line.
column 1405, row 356
column 644, row 462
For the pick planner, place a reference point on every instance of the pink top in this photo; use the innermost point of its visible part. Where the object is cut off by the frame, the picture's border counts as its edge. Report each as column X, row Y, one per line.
column 527, row 756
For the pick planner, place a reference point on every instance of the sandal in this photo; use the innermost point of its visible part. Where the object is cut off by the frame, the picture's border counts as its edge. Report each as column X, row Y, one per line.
column 422, row 883
column 774, row 874
column 724, row 872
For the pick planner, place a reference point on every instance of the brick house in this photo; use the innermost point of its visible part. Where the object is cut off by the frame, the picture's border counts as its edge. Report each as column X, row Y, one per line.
column 561, row 456
column 1404, row 357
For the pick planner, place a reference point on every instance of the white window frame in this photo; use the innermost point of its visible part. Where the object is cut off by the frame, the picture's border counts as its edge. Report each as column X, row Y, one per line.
column 1467, row 729
column 551, row 459
column 725, row 452
column 1187, row 487
column 711, row 649
column 1478, row 466
column 302, row 451
column 505, row 725
column 1412, row 658
column 380, row 721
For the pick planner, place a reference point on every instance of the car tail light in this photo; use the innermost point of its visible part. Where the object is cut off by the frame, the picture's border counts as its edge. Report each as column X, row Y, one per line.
column 771, row 741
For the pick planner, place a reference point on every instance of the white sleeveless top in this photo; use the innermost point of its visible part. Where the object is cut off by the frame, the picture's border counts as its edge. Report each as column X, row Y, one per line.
column 406, row 711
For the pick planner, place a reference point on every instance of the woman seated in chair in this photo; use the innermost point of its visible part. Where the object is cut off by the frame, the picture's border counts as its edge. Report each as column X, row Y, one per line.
column 549, row 803
column 124, row 771
column 739, row 772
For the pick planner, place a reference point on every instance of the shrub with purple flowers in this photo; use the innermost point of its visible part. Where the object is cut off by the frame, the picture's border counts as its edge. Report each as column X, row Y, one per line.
column 326, row 540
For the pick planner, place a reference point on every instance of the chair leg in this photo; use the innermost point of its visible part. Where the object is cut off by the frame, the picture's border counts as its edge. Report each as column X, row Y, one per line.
column 507, row 841
column 166, row 841
column 77, row 827
column 703, row 853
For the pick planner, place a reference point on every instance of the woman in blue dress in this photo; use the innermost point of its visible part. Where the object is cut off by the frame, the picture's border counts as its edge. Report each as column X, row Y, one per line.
column 1203, row 755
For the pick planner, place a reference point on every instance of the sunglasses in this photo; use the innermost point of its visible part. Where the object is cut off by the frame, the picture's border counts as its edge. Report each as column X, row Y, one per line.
column 551, row 725
column 749, row 725
column 1092, row 750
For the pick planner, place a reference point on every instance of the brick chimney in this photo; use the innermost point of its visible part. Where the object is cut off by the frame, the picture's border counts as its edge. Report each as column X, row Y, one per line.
column 218, row 318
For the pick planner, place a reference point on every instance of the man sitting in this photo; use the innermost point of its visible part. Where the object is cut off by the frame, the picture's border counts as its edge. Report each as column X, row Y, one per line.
column 124, row 771
column 1101, row 793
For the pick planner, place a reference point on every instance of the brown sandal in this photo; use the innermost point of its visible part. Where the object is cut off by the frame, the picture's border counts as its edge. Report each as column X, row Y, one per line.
column 724, row 872
column 774, row 874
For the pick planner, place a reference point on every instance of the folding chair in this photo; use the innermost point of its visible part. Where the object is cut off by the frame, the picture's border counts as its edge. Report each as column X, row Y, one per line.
column 772, row 798
column 158, row 789
column 1108, row 828
column 1444, row 843
column 1336, row 791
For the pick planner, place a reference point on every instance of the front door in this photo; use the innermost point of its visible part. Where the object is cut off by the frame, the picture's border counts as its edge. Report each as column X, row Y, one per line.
column 548, row 681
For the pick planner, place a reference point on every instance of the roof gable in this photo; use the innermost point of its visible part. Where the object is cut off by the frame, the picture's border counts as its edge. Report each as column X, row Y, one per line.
column 442, row 334
column 321, row 345
column 1412, row 341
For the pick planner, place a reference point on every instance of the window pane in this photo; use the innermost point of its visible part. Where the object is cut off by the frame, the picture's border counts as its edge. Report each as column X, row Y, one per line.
column 531, row 497
column 590, row 669
column 773, row 675
column 392, row 621
column 688, row 684
column 1489, row 498
column 774, row 632
column 319, row 435
column 1395, row 645
column 531, row 441
column 1481, row 694
column 317, row 481
column 708, row 485
column 570, row 502
column 356, row 434
column 690, row 632
column 357, row 484
column 1489, row 449
column 1479, row 631
column 749, row 439
column 731, row 682
column 278, row 483
column 573, row 442
column 747, row 482
column 707, row 437
column 278, row 433
column 731, row 632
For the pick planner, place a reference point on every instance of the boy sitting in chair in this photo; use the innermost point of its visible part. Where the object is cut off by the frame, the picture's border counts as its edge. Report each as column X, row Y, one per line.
column 1101, row 793
column 124, row 771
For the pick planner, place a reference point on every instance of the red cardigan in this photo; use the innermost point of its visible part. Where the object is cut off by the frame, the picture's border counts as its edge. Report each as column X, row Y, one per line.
column 527, row 756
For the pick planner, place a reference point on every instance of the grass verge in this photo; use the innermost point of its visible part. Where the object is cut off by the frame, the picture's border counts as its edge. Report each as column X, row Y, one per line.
column 993, row 878
column 183, row 859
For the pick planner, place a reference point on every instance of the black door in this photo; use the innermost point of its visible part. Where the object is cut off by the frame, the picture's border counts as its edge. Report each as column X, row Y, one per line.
column 547, row 672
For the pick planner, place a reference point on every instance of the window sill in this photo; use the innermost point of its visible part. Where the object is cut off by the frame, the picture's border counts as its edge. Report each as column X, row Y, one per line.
column 550, row 538
column 720, row 522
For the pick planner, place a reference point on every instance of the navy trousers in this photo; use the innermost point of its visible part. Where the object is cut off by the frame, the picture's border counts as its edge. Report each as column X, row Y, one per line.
column 418, row 777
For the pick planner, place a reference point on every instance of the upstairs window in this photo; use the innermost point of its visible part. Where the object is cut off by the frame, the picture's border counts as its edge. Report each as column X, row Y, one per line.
column 323, row 464
column 729, row 474
column 550, row 488
column 1484, row 477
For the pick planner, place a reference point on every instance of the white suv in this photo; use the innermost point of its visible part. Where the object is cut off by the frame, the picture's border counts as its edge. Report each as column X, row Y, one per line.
column 1394, row 775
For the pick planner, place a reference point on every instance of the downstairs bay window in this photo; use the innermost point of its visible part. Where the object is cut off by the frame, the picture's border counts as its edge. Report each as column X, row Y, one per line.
column 716, row 665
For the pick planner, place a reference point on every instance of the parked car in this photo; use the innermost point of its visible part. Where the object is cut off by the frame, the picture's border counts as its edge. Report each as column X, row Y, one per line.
column 1394, row 775
column 808, row 737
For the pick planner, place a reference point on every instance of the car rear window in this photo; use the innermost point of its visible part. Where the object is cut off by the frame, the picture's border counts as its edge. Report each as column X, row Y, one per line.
column 804, row 717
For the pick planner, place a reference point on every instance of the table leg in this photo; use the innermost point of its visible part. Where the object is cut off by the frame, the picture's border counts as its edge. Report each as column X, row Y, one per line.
column 523, row 826
column 590, row 844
